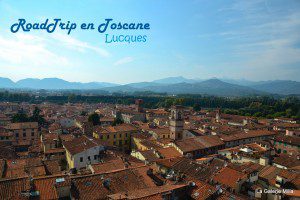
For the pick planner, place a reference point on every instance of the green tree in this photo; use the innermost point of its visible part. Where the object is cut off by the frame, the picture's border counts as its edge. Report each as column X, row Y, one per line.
column 37, row 117
column 94, row 118
column 20, row 117
column 197, row 107
column 117, row 121
column 71, row 97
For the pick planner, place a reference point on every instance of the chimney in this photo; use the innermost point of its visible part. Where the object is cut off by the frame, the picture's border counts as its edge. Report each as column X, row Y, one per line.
column 63, row 187
column 106, row 183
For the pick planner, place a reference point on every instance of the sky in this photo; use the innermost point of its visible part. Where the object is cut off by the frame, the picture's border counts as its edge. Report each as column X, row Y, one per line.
column 253, row 40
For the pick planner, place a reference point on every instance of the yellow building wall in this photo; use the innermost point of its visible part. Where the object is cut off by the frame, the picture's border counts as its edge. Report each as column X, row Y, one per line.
column 114, row 139
column 69, row 160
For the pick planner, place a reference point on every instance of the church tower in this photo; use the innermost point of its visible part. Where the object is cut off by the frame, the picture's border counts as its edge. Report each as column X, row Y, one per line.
column 218, row 115
column 176, row 122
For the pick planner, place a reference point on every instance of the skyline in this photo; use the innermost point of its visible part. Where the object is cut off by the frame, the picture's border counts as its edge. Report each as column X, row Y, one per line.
column 239, row 81
column 254, row 40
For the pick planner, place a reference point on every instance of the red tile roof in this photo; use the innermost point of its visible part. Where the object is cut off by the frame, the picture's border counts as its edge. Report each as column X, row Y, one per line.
column 229, row 177
column 12, row 188
column 93, row 186
column 81, row 144
column 46, row 186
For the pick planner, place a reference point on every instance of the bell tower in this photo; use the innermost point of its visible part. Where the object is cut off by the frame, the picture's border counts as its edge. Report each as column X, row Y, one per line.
column 218, row 115
column 176, row 122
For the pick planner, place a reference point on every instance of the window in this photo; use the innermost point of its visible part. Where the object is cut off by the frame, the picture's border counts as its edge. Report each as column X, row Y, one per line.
column 125, row 142
column 32, row 134
column 89, row 158
column 107, row 136
column 120, row 135
column 95, row 157
column 126, row 134
column 24, row 134
column 17, row 135
column 114, row 143
column 81, row 159
column 114, row 135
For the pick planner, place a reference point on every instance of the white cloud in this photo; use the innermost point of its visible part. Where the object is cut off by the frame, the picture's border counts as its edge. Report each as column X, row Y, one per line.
column 123, row 61
column 78, row 45
column 32, row 50
column 29, row 50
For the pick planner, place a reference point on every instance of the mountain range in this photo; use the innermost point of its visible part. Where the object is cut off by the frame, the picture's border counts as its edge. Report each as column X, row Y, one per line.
column 170, row 85
column 51, row 84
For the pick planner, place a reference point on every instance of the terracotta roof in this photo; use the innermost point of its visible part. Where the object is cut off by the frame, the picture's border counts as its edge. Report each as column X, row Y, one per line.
column 7, row 152
column 110, row 166
column 49, row 137
column 289, row 175
column 292, row 140
column 287, row 160
column 66, row 137
column 107, row 119
column 202, row 190
column 246, row 168
column 55, row 150
column 158, row 112
column 2, row 167
column 81, row 144
column 229, row 177
column 161, row 131
column 98, row 186
column 269, row 173
column 169, row 152
column 146, row 192
column 249, row 134
column 197, row 143
column 228, row 196
column 12, row 188
column 16, row 168
column 169, row 163
column 149, row 155
column 47, row 186
column 52, row 167
column 287, row 125
column 115, row 129
column 150, row 144
column 23, row 125
column 295, row 193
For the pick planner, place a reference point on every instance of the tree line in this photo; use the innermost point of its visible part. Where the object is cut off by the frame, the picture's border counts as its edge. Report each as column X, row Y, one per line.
column 260, row 106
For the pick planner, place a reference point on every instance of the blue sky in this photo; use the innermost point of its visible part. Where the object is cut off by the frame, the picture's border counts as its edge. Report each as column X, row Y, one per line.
column 255, row 40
